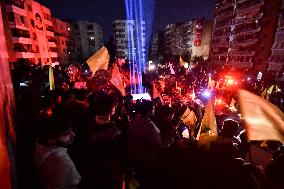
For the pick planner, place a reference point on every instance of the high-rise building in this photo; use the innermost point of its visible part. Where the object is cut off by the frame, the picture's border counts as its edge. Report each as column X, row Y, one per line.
column 125, row 37
column 243, row 32
column 88, row 38
column 191, row 38
column 156, row 45
column 276, row 60
column 29, row 32
column 64, row 41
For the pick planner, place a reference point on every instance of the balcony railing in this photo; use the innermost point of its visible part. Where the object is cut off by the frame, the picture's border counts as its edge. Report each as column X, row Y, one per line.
column 18, row 3
column 247, row 31
column 242, row 53
column 252, row 8
column 25, row 55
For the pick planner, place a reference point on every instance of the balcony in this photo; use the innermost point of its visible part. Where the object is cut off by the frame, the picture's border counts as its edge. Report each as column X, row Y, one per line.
column 242, row 53
column 48, row 33
column 276, row 66
column 51, row 44
column 247, row 31
column 21, row 40
column 14, row 25
column 246, row 43
column 225, row 6
column 16, row 9
column 250, row 9
column 25, row 55
column 240, row 64
column 53, row 54
column 223, row 44
column 48, row 22
column 225, row 14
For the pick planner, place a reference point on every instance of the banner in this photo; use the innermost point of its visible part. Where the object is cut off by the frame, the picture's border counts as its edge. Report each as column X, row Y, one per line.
column 262, row 120
column 198, row 33
column 41, row 32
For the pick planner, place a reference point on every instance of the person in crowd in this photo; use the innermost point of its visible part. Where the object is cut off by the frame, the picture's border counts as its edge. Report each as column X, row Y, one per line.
column 54, row 167
column 224, row 148
column 104, row 156
column 144, row 142
column 164, row 116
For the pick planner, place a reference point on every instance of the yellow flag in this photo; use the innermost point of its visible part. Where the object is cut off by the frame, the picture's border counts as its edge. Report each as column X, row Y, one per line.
column 262, row 120
column 51, row 78
column 99, row 60
column 263, row 93
column 208, row 120
column 181, row 62
column 270, row 89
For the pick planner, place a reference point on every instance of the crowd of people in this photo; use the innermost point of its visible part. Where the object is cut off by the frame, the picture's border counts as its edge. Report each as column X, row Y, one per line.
column 82, row 138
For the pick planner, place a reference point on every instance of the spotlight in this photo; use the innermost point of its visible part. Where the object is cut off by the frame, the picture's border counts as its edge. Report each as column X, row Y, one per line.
column 152, row 67
column 206, row 94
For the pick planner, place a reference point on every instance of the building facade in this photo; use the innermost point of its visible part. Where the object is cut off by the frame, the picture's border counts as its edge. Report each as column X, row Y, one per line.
column 88, row 38
column 29, row 32
column 276, row 60
column 242, row 31
column 64, row 41
column 191, row 38
column 125, row 38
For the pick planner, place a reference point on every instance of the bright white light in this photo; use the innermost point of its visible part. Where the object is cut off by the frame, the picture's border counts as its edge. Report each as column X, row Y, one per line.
column 259, row 76
column 186, row 65
column 150, row 62
column 185, row 133
column 144, row 96
column 206, row 94
column 152, row 67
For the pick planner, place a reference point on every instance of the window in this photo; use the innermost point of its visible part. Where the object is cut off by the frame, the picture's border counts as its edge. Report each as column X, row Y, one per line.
column 11, row 17
column 34, row 36
column 90, row 27
column 30, row 8
column 22, row 19
column 32, row 22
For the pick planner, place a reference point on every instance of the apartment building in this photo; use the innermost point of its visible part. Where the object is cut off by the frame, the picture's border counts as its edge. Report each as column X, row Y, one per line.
column 125, row 38
column 191, row 38
column 276, row 60
column 64, row 41
column 242, row 33
column 29, row 32
column 88, row 38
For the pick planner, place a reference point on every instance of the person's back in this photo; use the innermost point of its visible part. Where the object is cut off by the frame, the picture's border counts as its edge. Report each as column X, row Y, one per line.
column 54, row 167
column 103, row 158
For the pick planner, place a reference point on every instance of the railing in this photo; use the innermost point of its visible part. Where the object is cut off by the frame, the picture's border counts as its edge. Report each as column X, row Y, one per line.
column 255, row 7
column 16, row 3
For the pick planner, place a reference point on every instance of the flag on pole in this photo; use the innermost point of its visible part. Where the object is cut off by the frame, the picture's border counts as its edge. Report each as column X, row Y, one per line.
column 51, row 78
column 264, row 93
column 262, row 120
column 208, row 121
column 116, row 80
column 181, row 62
column 99, row 60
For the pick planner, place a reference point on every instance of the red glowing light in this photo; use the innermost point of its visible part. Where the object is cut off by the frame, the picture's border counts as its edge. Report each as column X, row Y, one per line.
column 230, row 81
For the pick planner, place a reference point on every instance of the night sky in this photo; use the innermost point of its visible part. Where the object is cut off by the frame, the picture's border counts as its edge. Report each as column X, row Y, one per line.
column 159, row 13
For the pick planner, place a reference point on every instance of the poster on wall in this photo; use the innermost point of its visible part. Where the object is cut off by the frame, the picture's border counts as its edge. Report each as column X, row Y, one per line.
column 198, row 32
column 40, row 31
